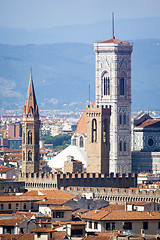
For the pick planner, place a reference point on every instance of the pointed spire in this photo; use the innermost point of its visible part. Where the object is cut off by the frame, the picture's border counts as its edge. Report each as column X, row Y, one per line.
column 31, row 106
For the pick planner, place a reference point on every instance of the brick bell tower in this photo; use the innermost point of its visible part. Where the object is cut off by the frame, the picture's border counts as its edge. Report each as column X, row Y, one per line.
column 97, row 142
column 30, row 132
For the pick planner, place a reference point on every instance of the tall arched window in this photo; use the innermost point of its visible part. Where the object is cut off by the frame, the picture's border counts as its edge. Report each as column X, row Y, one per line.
column 23, row 156
column 124, row 119
column 23, row 133
column 29, row 137
column 105, row 130
column 106, row 85
column 29, row 156
column 120, row 119
column 94, row 130
column 81, row 142
column 122, row 83
column 124, row 146
column 120, row 146
column 121, row 86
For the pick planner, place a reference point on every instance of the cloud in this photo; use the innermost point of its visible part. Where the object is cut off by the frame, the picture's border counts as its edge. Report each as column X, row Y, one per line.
column 74, row 103
column 49, row 101
column 8, row 89
column 53, row 100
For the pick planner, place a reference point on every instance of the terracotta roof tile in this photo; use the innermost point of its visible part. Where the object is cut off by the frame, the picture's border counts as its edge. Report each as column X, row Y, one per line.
column 44, row 230
column 25, row 236
column 4, row 169
column 120, row 215
column 50, row 194
column 150, row 123
column 56, row 201
column 20, row 198
column 59, row 208
column 114, row 40
column 82, row 124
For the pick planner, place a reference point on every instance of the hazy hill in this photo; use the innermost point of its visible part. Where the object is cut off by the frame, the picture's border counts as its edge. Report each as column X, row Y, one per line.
column 62, row 73
column 144, row 28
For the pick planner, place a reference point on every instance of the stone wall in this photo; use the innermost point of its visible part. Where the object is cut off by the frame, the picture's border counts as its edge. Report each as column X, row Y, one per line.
column 96, row 180
column 117, row 195
column 45, row 181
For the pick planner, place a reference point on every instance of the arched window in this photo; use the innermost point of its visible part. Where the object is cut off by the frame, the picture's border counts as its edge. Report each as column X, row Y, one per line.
column 122, row 82
column 120, row 119
column 124, row 119
column 23, row 137
column 121, row 86
column 94, row 130
column 120, row 146
column 124, row 146
column 29, row 156
column 105, row 130
column 74, row 142
column 29, row 137
column 81, row 142
column 106, row 85
column 23, row 156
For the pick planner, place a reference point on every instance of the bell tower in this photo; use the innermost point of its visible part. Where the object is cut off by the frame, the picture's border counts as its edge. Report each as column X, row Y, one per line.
column 30, row 132
column 113, row 87
column 97, row 142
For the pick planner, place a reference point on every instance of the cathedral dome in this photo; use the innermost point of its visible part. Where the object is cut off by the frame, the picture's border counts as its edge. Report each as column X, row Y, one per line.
column 82, row 124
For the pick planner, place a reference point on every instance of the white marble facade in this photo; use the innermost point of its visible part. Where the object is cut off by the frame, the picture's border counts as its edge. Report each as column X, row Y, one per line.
column 113, row 87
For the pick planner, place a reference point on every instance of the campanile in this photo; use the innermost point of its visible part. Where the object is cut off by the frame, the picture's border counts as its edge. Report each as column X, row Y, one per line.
column 113, row 88
column 30, row 132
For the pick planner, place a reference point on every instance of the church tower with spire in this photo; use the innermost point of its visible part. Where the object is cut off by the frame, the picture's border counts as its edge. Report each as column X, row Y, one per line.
column 30, row 132
column 113, row 88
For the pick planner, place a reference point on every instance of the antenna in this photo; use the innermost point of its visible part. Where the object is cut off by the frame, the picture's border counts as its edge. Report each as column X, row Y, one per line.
column 89, row 94
column 113, row 25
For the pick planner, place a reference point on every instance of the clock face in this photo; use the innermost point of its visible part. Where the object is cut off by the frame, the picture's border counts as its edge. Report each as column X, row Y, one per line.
column 30, row 114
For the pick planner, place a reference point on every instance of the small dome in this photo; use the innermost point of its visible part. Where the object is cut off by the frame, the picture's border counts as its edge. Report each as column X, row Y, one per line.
column 82, row 124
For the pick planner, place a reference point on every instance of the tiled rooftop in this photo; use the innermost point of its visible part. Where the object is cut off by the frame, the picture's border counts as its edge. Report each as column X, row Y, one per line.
column 120, row 215
column 114, row 40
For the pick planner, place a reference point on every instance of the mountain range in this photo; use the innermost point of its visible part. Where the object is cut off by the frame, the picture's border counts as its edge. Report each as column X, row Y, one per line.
column 63, row 62
column 144, row 28
column 62, row 73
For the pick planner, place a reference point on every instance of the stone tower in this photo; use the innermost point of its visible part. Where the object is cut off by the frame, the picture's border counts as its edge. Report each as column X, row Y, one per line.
column 30, row 132
column 97, row 142
column 113, row 87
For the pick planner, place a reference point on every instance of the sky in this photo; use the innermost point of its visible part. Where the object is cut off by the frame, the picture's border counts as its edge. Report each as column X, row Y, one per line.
column 32, row 14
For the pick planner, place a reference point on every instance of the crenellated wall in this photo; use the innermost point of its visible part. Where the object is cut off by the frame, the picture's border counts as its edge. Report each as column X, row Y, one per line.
column 44, row 181
column 117, row 195
column 39, row 181
column 96, row 180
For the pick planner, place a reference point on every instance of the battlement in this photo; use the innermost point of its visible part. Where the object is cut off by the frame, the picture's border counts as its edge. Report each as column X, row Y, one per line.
column 93, row 109
column 80, row 179
column 116, row 194
column 96, row 180
column 46, row 177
